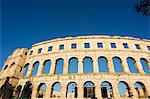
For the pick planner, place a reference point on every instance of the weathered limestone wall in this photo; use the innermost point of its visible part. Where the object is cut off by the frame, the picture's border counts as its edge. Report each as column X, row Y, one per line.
column 80, row 53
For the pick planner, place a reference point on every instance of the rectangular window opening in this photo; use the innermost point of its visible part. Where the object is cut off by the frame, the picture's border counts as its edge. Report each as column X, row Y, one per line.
column 100, row 45
column 125, row 45
column 61, row 47
column 148, row 48
column 86, row 45
column 50, row 49
column 113, row 45
column 137, row 46
column 74, row 46
column 40, row 50
column 31, row 52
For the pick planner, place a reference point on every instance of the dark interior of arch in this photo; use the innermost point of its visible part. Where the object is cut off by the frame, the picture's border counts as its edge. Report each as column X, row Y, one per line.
column 89, row 90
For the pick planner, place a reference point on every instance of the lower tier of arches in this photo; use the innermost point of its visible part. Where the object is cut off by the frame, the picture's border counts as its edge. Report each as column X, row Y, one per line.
column 98, row 86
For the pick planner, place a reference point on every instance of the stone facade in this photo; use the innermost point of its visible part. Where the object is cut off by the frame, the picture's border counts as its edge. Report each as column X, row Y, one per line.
column 14, row 66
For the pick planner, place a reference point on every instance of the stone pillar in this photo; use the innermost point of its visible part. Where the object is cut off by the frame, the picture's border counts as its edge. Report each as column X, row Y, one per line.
column 110, row 65
column 53, row 64
column 63, row 90
column 133, row 91
column 34, row 91
column 80, row 65
column 80, row 91
column 125, row 65
column 98, row 94
column 65, row 69
column 147, row 87
column 95, row 64
column 40, row 68
column 48, row 91
column 115, row 90
column 139, row 65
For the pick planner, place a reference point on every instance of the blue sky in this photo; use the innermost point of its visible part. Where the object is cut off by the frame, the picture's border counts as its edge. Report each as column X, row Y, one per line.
column 25, row 22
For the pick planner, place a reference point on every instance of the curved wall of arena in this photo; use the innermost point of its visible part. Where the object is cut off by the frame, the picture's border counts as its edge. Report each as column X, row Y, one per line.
column 123, row 48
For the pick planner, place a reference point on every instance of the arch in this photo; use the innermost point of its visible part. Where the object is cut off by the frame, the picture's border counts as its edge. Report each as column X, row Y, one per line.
column 87, row 65
column 35, row 68
column 145, row 65
column 26, row 69
column 5, row 67
column 117, row 64
column 41, row 90
column 27, row 90
column 124, row 89
column 141, row 90
column 18, row 91
column 59, row 66
column 12, row 64
column 56, row 89
column 6, row 89
column 71, row 90
column 132, row 65
column 46, row 66
column 73, row 65
column 89, row 90
column 103, row 64
column 106, row 90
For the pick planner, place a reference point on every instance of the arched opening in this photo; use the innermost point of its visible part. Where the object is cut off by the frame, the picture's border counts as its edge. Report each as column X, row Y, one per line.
column 141, row 90
column 12, row 65
column 145, row 65
column 18, row 91
column 56, row 90
column 6, row 90
column 26, row 69
column 41, row 90
column 87, row 65
column 46, row 68
column 27, row 90
column 59, row 66
column 6, row 67
column 73, row 65
column 132, row 65
column 35, row 68
column 117, row 64
column 124, row 89
column 106, row 90
column 71, row 90
column 89, row 90
column 103, row 64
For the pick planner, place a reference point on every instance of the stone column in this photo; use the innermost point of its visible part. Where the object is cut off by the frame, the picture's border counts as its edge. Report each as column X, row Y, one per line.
column 40, row 68
column 147, row 84
column 80, row 91
column 63, row 90
column 133, row 91
column 53, row 64
column 115, row 90
column 66, row 62
column 110, row 65
column 125, row 65
column 98, row 94
column 80, row 65
column 48, row 91
column 34, row 91
column 95, row 64
column 139, row 66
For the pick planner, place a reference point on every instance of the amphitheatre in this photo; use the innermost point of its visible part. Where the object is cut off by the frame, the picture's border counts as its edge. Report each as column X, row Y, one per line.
column 82, row 67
